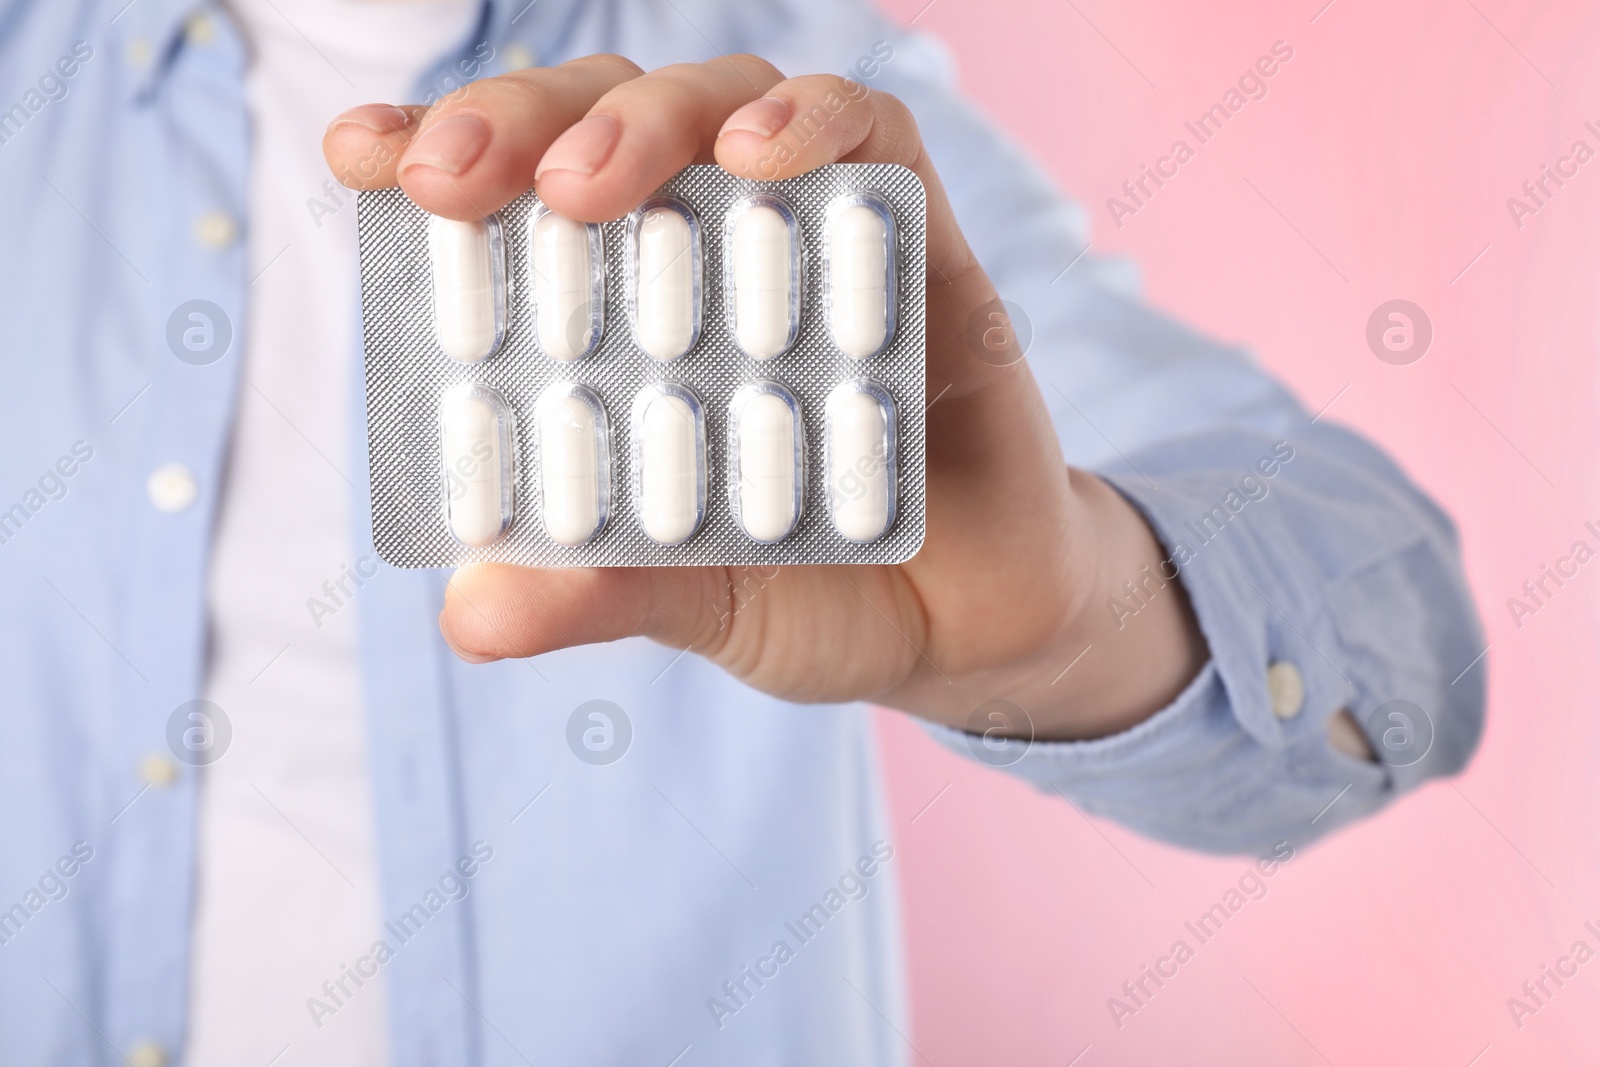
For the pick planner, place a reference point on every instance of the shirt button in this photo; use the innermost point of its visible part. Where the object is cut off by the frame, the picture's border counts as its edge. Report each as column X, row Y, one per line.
column 138, row 51
column 1287, row 688
column 172, row 487
column 158, row 770
column 199, row 30
column 147, row 1054
column 215, row 229
column 519, row 58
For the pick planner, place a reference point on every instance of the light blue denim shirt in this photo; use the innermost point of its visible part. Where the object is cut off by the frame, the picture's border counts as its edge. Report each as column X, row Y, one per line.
column 630, row 898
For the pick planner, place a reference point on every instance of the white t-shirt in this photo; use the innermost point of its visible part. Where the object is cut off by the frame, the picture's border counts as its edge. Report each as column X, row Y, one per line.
column 288, row 882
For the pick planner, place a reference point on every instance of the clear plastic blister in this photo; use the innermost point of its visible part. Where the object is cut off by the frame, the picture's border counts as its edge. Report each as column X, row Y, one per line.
column 666, row 278
column 568, row 262
column 766, row 461
column 467, row 262
column 859, row 451
column 632, row 393
column 763, row 274
column 574, row 438
column 477, row 448
column 859, row 280
column 669, row 460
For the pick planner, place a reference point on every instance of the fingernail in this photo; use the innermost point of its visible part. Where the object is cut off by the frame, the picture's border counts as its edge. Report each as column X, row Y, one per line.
column 379, row 118
column 763, row 117
column 451, row 145
column 584, row 148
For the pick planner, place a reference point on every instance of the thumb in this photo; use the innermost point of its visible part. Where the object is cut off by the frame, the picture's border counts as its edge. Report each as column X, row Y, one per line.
column 500, row 611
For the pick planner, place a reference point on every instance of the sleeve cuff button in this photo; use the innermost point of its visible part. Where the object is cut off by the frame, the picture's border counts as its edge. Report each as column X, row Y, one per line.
column 1287, row 688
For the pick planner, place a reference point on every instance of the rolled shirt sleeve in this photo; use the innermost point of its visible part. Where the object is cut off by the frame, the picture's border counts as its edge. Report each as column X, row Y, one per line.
column 1312, row 562
column 1235, row 763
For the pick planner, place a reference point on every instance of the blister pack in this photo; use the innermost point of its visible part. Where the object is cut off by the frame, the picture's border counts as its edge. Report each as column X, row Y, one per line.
column 733, row 374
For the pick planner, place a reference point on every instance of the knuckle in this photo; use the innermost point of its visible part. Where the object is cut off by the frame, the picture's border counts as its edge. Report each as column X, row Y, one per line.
column 895, row 134
column 691, row 72
column 754, row 64
column 740, row 70
column 838, row 83
column 611, row 63
column 665, row 98
column 893, row 109
column 829, row 87
column 531, row 96
column 485, row 96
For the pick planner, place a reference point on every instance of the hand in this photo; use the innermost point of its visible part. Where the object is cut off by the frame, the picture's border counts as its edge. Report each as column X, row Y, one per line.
column 1022, row 552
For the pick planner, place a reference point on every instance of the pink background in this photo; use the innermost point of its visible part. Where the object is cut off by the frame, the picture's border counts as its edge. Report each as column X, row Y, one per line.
column 1391, row 142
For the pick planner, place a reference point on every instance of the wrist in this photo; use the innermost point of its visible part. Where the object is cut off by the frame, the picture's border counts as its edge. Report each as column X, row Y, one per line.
column 1131, row 642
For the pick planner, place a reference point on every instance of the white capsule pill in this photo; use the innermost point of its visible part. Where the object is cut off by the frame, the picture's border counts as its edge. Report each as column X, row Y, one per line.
column 476, row 439
column 860, row 460
column 574, row 463
column 764, row 251
column 666, row 300
column 766, row 457
column 670, row 462
column 860, row 240
column 568, row 262
column 469, row 302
